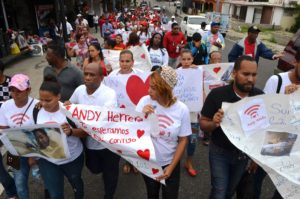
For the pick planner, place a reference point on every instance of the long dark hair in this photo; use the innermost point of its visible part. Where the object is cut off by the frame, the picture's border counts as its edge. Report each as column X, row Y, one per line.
column 98, row 47
column 152, row 39
column 133, row 39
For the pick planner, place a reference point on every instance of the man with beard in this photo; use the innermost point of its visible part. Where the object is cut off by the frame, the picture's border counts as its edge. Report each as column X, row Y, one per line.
column 227, row 163
column 68, row 75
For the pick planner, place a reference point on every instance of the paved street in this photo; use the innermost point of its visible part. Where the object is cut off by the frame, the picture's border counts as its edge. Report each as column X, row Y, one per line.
column 132, row 186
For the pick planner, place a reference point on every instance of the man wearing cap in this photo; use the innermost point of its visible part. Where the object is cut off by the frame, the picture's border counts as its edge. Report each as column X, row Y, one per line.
column 174, row 41
column 17, row 112
column 213, row 39
column 80, row 21
column 169, row 24
column 252, row 47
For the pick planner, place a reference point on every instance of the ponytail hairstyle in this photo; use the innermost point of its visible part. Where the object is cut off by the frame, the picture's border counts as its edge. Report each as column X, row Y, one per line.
column 51, row 85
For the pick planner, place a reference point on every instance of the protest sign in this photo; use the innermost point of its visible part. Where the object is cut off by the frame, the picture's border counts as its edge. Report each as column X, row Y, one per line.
column 266, row 128
column 46, row 141
column 124, row 132
column 189, row 88
column 129, row 88
column 140, row 55
column 216, row 75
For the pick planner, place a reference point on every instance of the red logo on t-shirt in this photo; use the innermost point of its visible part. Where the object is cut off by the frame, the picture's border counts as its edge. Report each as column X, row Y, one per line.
column 19, row 118
column 164, row 121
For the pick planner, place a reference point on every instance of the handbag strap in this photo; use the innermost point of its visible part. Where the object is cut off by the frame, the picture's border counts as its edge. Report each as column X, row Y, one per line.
column 25, row 112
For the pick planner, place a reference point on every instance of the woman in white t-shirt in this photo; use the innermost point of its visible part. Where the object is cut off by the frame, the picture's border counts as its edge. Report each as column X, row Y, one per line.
column 158, row 54
column 175, row 127
column 53, row 173
column 17, row 112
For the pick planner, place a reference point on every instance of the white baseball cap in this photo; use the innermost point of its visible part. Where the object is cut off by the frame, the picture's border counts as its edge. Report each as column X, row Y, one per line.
column 173, row 17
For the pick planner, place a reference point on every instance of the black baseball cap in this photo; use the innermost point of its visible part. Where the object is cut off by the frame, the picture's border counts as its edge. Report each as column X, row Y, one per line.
column 253, row 29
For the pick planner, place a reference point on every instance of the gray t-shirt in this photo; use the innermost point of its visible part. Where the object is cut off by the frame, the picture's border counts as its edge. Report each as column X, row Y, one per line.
column 69, row 78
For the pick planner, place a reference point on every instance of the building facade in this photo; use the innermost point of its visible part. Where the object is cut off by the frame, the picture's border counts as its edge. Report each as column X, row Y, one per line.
column 273, row 12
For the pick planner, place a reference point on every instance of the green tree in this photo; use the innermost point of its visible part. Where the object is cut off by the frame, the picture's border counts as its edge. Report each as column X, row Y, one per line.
column 296, row 25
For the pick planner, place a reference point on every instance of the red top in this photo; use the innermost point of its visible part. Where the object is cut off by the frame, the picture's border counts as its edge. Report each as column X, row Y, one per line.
column 120, row 46
column 249, row 48
column 171, row 41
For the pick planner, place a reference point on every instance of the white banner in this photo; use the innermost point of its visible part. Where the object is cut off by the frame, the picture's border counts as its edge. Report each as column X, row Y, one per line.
column 266, row 127
column 216, row 75
column 124, row 132
column 129, row 89
column 140, row 55
column 46, row 141
column 189, row 88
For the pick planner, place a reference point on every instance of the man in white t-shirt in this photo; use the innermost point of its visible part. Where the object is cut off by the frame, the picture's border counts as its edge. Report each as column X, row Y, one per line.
column 287, row 83
column 98, row 158
column 96, row 23
column 290, row 80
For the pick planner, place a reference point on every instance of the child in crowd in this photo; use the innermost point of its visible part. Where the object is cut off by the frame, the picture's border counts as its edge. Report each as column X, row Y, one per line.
column 186, row 62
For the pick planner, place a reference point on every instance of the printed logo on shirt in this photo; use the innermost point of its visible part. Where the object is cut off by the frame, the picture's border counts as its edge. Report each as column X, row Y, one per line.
column 19, row 118
column 164, row 122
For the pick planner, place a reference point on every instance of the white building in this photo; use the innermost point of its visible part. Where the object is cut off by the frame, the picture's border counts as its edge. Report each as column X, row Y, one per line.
column 274, row 12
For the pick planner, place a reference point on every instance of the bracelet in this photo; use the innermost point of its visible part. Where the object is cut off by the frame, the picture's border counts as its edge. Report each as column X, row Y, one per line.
column 71, row 132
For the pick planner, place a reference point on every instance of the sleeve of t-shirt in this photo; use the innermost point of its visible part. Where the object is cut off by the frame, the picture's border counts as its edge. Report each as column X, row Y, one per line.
column 271, row 85
column 210, row 106
column 3, row 120
column 139, row 107
column 185, row 128
column 165, row 57
column 74, row 98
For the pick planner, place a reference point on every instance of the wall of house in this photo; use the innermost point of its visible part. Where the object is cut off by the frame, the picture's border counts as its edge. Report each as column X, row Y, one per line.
column 277, row 15
column 250, row 14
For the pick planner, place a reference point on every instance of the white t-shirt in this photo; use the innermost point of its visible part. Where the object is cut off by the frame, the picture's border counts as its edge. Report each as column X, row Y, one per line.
column 74, row 143
column 12, row 116
column 103, row 96
column 174, row 122
column 95, row 19
column 272, row 83
column 158, row 58
column 69, row 27
column 143, row 36
column 117, row 72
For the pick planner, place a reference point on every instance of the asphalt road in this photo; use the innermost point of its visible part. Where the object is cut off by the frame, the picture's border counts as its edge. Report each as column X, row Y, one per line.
column 132, row 186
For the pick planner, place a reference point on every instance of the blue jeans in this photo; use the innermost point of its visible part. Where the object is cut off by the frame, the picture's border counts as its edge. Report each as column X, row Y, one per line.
column 7, row 181
column 21, row 178
column 53, row 176
column 227, row 168
column 193, row 139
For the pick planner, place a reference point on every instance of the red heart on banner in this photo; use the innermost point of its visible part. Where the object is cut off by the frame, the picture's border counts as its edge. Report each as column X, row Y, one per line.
column 155, row 171
column 143, row 56
column 140, row 133
column 136, row 88
column 122, row 106
column 144, row 154
column 217, row 69
column 119, row 151
column 68, row 107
